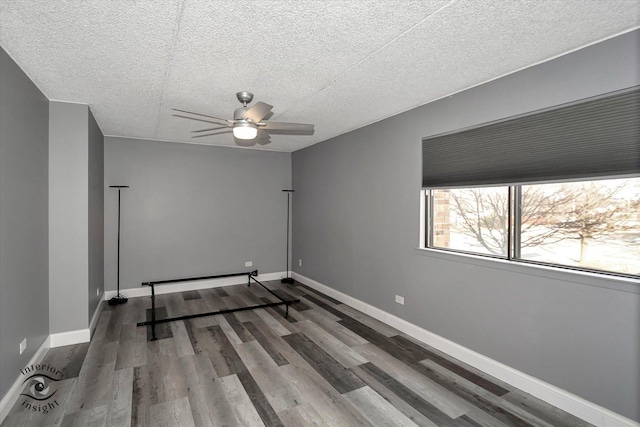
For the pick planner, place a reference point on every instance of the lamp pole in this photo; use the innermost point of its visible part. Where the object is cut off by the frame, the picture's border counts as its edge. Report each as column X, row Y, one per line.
column 119, row 298
column 288, row 279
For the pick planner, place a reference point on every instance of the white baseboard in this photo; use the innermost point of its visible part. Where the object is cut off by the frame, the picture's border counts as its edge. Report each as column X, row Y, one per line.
column 96, row 314
column 144, row 291
column 556, row 396
column 69, row 338
column 52, row 341
column 9, row 399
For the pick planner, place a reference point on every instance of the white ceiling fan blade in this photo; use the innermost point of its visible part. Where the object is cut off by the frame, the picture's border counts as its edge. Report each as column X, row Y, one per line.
column 214, row 133
column 199, row 120
column 205, row 115
column 209, row 129
column 257, row 112
column 294, row 127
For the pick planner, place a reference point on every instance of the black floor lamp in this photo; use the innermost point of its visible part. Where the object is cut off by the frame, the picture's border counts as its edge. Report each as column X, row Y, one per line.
column 288, row 279
column 119, row 298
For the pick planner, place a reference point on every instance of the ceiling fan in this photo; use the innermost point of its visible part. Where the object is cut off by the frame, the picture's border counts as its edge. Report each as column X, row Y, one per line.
column 247, row 125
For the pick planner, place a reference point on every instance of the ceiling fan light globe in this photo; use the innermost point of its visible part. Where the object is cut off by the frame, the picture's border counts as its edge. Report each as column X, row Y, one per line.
column 245, row 132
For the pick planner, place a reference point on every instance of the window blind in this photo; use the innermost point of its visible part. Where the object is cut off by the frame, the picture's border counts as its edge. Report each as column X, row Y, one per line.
column 589, row 138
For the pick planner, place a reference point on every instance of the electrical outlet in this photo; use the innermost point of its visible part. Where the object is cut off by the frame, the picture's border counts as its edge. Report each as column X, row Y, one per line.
column 399, row 299
column 23, row 346
column 299, row 263
column 248, row 264
column 97, row 292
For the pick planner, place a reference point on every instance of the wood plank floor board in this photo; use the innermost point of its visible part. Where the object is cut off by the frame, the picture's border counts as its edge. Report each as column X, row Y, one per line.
column 101, row 324
column 67, row 359
column 427, row 409
column 195, row 306
column 254, row 356
column 224, row 358
column 156, row 350
column 181, row 339
column 131, row 332
column 291, row 289
column 91, row 389
column 438, row 396
column 330, row 308
column 423, row 353
column 325, row 321
column 21, row 415
column 311, row 291
column 115, row 323
column 140, row 397
column 94, row 417
column 272, row 323
column 480, row 417
column 504, row 386
column 120, row 397
column 200, row 410
column 191, row 295
column 266, row 343
column 249, row 297
column 281, row 393
column 228, row 330
column 469, row 391
column 543, row 410
column 131, row 353
column 163, row 330
column 172, row 413
column 243, row 299
column 409, row 411
column 220, row 408
column 376, row 409
column 369, row 321
column 342, row 353
column 213, row 301
column 302, row 415
column 240, row 330
column 279, row 317
column 328, row 403
column 173, row 304
column 299, row 306
column 259, row 400
column 171, row 384
column 135, row 311
column 335, row 374
column 318, row 309
column 240, row 401
column 221, row 292
column 293, row 316
column 410, row 353
column 328, row 364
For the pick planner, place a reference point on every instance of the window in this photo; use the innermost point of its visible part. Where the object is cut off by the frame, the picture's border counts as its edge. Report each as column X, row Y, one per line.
column 587, row 225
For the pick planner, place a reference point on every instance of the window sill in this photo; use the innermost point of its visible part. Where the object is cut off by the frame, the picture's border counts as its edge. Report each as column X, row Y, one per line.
column 622, row 284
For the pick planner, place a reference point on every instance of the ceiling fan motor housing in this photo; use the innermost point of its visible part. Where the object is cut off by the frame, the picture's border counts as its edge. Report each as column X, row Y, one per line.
column 239, row 112
column 244, row 97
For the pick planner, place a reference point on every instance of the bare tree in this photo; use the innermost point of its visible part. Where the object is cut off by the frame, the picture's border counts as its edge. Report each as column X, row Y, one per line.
column 483, row 215
column 594, row 213
column 570, row 212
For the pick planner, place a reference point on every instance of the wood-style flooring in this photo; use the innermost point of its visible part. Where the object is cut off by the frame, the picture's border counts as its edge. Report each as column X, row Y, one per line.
column 327, row 364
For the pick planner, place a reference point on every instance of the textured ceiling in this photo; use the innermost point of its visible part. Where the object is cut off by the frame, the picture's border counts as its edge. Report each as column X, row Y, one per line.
column 338, row 64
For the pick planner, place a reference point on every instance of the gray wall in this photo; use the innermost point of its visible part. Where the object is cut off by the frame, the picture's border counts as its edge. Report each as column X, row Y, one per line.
column 193, row 210
column 68, row 217
column 24, row 228
column 96, row 214
column 356, row 228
